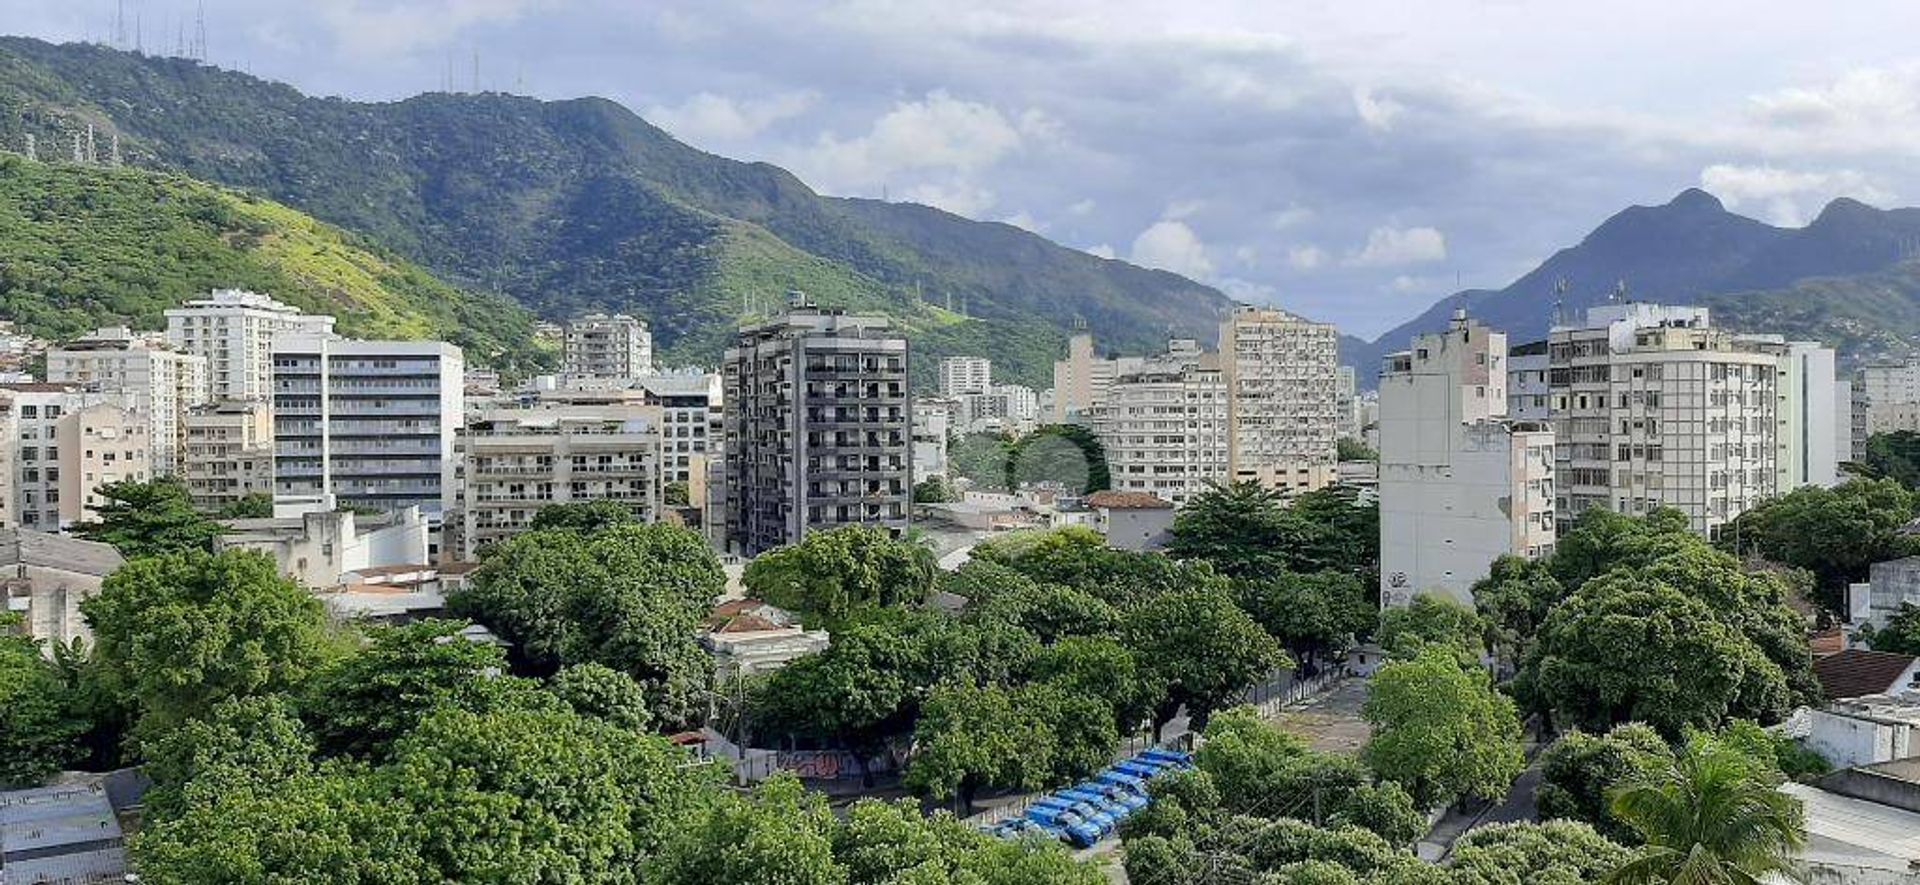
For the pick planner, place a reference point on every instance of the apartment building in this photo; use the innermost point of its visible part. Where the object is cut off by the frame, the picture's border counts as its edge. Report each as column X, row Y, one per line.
column 1282, row 393
column 1081, row 380
column 1461, row 483
column 44, row 474
column 234, row 330
column 164, row 382
column 931, row 427
column 520, row 460
column 1164, row 427
column 818, row 430
column 1885, row 399
column 366, row 423
column 1652, row 406
column 1346, row 392
column 1808, row 408
column 1529, row 396
column 229, row 452
column 965, row 375
column 691, row 413
column 1002, row 408
column 603, row 346
column 103, row 442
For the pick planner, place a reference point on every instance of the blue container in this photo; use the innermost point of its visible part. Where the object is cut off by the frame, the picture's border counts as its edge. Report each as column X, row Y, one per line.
column 1072, row 829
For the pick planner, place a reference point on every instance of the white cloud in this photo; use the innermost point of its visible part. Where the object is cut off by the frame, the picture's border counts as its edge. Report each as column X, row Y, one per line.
column 1291, row 216
column 1391, row 246
column 1246, row 255
column 706, row 117
column 1082, row 208
column 1405, row 284
column 1376, row 111
column 1180, row 210
column 1788, row 197
column 1248, row 291
column 1171, row 245
column 1306, row 257
column 939, row 132
column 1102, row 251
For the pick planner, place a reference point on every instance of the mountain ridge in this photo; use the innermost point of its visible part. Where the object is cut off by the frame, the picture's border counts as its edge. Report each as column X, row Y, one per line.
column 580, row 204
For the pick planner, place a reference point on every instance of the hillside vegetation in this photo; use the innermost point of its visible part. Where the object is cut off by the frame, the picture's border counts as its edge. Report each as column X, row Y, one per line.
column 83, row 246
column 569, row 206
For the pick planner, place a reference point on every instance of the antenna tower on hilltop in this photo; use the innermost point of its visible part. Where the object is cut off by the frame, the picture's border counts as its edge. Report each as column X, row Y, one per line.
column 200, row 33
column 33, row 149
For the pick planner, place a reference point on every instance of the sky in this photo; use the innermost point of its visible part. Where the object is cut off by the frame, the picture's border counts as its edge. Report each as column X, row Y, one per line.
column 1352, row 160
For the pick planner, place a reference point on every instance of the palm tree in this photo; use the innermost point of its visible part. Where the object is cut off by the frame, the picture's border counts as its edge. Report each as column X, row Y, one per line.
column 1713, row 817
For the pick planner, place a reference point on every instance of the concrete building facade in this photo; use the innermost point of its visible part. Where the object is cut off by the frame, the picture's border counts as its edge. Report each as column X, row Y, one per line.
column 1460, row 483
column 368, row 423
column 1282, row 396
column 965, row 375
column 164, row 382
column 818, row 430
column 521, row 460
column 1653, row 407
column 599, row 345
column 229, row 452
column 100, row 443
column 233, row 330
column 1165, row 428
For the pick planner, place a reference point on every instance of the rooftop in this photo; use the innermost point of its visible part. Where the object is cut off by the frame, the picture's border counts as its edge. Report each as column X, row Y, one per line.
column 26, row 546
column 1111, row 500
column 1857, row 671
column 65, row 834
column 1854, row 832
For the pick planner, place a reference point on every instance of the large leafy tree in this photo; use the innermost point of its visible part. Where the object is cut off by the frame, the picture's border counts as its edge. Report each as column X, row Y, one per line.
column 832, row 573
column 1835, row 533
column 1334, row 529
column 858, row 693
column 983, row 459
column 1895, row 456
column 1049, row 611
column 1080, row 558
column 1312, row 615
column 1558, row 852
column 148, row 518
column 971, row 738
column 1441, row 731
column 1711, row 815
column 601, row 692
column 1202, row 648
column 1512, row 601
column 584, row 517
column 781, row 835
column 1580, row 769
column 39, row 732
column 1067, row 454
column 1901, row 635
column 1432, row 620
column 1631, row 647
column 1261, row 770
column 1102, row 667
column 1233, row 526
column 185, row 631
column 360, row 704
column 629, row 596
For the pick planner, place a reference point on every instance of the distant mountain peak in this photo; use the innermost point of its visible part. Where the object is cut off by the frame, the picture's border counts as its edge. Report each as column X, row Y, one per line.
column 1843, row 209
column 1694, row 199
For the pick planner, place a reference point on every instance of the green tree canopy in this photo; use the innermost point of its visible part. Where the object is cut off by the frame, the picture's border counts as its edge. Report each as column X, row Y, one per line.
column 1245, row 530
column 983, row 458
column 185, row 631
column 1895, row 456
column 253, row 505
column 629, row 596
column 934, row 490
column 1049, row 611
column 584, row 517
column 149, row 518
column 970, row 738
column 39, row 732
column 1550, row 853
column 1313, row 616
column 601, row 692
column 1432, row 620
column 1835, row 533
column 1079, row 557
column 1102, row 667
column 1349, row 449
column 360, row 704
column 781, row 835
column 1262, row 771
column 1441, row 731
column 830, row 574
column 1067, row 454
column 1580, row 769
column 1901, row 635
column 1710, row 815
column 1203, row 648
column 1512, row 601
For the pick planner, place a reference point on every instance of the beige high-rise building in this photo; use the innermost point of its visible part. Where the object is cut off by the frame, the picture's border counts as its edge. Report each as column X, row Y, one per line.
column 229, row 452
column 520, row 460
column 1081, row 381
column 613, row 347
column 1461, row 484
column 234, row 331
column 101, row 443
column 164, row 382
column 1652, row 407
column 1283, row 400
column 1164, row 427
column 41, row 467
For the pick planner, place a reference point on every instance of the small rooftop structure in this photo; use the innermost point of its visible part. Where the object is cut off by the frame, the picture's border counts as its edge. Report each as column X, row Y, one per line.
column 1112, row 500
column 1851, row 839
column 1857, row 672
column 60, row 834
column 44, row 578
column 750, row 636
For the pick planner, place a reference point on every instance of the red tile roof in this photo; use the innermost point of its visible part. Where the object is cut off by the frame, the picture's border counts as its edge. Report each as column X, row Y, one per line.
column 1128, row 501
column 1828, row 642
column 1857, row 672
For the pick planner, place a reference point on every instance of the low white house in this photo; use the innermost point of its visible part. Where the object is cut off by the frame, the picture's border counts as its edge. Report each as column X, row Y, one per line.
column 323, row 548
column 1132, row 520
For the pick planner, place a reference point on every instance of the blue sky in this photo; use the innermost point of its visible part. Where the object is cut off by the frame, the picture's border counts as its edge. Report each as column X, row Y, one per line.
column 1350, row 160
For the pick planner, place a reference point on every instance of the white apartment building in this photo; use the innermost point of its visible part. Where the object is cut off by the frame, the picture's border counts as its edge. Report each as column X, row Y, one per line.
column 102, row 442
column 964, row 375
column 1003, row 408
column 368, row 423
column 1808, row 453
column 1460, row 483
column 1282, row 397
column 1654, row 407
column 691, row 412
column 520, row 460
column 931, row 427
column 234, row 331
column 603, row 346
column 1529, row 396
column 164, row 382
column 229, row 452
column 1346, row 389
column 1164, row 427
column 818, row 429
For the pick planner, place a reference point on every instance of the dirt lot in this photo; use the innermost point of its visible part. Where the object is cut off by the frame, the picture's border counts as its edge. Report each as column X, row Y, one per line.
column 1331, row 721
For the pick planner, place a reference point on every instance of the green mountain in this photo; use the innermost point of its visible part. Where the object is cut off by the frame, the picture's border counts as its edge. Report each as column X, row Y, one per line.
column 83, row 246
column 574, row 205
